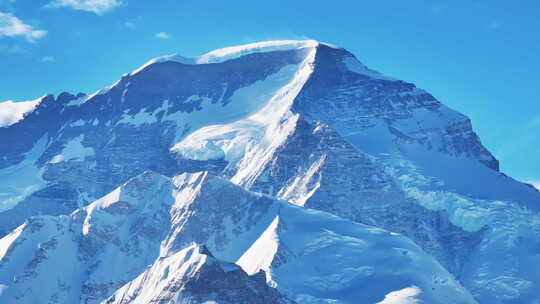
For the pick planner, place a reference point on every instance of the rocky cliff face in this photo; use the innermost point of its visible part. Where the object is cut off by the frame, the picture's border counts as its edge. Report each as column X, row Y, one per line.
column 299, row 121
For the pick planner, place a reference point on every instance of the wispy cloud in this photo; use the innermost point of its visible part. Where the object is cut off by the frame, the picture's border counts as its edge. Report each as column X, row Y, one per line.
column 96, row 6
column 130, row 25
column 162, row 35
column 48, row 59
column 11, row 26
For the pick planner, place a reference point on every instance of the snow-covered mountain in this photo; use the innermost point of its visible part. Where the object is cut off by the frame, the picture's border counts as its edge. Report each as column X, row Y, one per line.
column 310, row 256
column 297, row 121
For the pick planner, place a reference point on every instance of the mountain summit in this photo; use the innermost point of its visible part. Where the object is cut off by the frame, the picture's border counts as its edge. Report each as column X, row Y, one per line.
column 274, row 172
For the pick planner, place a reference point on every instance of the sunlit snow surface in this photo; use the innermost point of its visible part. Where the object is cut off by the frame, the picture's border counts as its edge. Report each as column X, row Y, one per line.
column 74, row 150
column 229, row 53
column 11, row 112
column 258, row 107
column 310, row 256
column 403, row 296
column 536, row 184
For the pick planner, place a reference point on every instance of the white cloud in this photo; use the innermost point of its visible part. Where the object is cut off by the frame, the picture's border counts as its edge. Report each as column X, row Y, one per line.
column 11, row 26
column 162, row 35
column 48, row 59
column 96, row 6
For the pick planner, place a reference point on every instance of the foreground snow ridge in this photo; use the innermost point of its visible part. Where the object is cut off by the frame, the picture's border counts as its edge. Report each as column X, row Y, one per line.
column 251, row 242
column 272, row 172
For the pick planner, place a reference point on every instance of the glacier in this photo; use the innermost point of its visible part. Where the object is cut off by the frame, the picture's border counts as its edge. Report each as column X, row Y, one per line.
column 314, row 178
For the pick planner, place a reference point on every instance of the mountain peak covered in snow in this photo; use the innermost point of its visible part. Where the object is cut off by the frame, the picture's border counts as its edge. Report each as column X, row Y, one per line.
column 229, row 53
column 288, row 167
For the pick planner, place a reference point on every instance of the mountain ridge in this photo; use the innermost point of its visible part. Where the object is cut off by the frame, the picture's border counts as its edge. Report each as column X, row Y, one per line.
column 104, row 246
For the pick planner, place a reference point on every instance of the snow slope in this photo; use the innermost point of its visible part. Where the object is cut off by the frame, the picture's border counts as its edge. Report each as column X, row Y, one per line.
column 20, row 180
column 193, row 275
column 225, row 54
column 83, row 257
column 310, row 256
column 12, row 112
column 316, row 258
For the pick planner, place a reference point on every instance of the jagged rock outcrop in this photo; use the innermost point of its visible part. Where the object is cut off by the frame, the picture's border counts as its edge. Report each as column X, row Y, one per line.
column 193, row 275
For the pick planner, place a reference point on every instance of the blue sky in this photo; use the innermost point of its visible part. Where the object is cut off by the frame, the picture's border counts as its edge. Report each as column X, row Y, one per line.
column 479, row 57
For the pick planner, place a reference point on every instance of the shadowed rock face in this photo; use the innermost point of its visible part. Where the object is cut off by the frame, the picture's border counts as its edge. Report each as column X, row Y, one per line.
column 308, row 124
column 350, row 102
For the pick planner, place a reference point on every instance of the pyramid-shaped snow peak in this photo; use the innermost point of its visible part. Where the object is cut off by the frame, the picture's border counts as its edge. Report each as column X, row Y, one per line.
column 292, row 158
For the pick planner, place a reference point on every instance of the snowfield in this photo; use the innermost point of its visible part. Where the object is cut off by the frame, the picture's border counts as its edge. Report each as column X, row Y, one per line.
column 151, row 219
column 12, row 112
